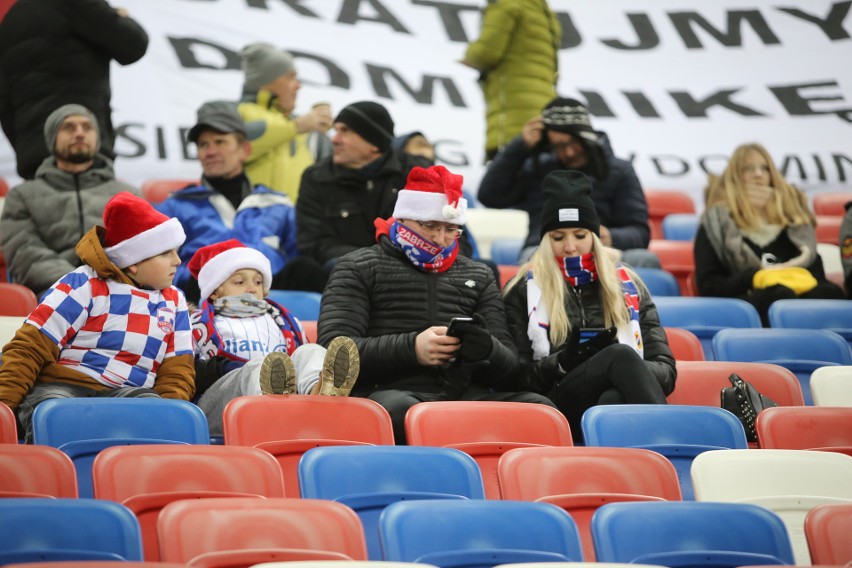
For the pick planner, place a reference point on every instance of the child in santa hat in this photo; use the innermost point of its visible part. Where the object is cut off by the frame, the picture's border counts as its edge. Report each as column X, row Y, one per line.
column 247, row 344
column 113, row 327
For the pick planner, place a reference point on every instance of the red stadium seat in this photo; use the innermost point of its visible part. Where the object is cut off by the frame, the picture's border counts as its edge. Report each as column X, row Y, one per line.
column 16, row 300
column 831, row 203
column 828, row 229
column 684, row 344
column 661, row 202
column 157, row 190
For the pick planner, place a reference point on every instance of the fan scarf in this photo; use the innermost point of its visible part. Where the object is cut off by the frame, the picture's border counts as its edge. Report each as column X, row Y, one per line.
column 579, row 270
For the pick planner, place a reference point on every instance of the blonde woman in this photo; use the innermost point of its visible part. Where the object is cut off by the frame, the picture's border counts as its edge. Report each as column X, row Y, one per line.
column 754, row 224
column 586, row 329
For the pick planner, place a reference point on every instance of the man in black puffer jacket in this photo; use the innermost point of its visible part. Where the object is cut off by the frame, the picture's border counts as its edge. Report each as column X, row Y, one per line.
column 56, row 52
column 396, row 298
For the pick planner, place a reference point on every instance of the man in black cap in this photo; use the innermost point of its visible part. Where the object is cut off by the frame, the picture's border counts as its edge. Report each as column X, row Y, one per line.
column 341, row 196
column 562, row 138
column 225, row 205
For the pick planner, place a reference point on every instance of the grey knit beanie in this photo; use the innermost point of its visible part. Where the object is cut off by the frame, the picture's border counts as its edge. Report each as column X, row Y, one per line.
column 263, row 63
column 54, row 121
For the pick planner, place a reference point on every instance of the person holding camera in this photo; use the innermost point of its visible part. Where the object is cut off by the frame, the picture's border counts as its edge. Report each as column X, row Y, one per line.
column 585, row 326
column 396, row 299
column 562, row 138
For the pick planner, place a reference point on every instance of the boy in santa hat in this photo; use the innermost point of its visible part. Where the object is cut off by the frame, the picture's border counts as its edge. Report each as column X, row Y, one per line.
column 246, row 344
column 396, row 299
column 114, row 327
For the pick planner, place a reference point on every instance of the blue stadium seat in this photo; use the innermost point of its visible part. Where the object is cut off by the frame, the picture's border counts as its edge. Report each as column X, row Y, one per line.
column 800, row 350
column 680, row 226
column 478, row 533
column 37, row 529
column 679, row 432
column 301, row 303
column 834, row 315
column 705, row 316
column 659, row 282
column 369, row 478
column 506, row 251
column 690, row 533
column 82, row 427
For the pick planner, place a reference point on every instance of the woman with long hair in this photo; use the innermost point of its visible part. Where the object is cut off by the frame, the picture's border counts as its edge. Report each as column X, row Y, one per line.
column 585, row 326
column 757, row 239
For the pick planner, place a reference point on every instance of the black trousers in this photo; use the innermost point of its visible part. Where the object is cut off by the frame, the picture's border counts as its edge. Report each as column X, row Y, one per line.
column 614, row 375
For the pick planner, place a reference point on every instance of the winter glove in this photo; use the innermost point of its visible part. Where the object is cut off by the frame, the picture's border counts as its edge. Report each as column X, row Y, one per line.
column 456, row 377
column 574, row 353
column 476, row 342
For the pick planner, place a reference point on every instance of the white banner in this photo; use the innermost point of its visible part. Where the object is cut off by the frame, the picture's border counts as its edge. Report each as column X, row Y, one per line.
column 676, row 84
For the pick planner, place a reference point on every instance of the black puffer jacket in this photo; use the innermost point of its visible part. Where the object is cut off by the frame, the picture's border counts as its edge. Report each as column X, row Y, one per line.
column 55, row 52
column 585, row 310
column 380, row 300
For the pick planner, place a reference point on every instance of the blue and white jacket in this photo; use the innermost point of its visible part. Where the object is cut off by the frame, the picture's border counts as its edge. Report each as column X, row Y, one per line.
column 265, row 220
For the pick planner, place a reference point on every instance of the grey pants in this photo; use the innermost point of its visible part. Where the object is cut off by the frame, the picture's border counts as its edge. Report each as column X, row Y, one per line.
column 245, row 381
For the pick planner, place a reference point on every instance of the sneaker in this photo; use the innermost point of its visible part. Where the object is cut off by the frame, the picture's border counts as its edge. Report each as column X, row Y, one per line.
column 277, row 374
column 340, row 367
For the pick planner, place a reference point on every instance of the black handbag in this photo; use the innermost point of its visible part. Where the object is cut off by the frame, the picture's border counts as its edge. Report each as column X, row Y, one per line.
column 745, row 402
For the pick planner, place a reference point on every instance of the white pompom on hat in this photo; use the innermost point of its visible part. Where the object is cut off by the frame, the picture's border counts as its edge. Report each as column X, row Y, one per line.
column 214, row 264
column 136, row 231
column 432, row 194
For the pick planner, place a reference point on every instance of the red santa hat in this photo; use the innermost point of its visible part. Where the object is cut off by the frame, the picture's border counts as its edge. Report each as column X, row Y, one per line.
column 214, row 264
column 432, row 194
column 136, row 231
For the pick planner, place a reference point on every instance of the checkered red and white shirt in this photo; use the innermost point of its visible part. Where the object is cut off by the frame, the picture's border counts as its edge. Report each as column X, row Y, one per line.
column 113, row 332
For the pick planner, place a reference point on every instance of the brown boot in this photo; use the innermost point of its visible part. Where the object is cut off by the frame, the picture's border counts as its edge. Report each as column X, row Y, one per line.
column 340, row 367
column 277, row 374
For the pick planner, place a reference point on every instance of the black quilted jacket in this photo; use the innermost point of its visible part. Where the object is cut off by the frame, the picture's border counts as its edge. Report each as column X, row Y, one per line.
column 380, row 300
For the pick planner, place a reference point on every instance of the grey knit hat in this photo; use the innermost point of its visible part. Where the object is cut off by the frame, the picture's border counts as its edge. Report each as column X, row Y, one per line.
column 263, row 63
column 57, row 117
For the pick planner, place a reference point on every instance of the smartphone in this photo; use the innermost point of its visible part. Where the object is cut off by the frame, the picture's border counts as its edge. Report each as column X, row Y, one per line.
column 451, row 329
column 589, row 332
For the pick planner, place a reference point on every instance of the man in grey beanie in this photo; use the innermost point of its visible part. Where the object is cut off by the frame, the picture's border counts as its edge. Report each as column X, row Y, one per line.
column 288, row 143
column 44, row 218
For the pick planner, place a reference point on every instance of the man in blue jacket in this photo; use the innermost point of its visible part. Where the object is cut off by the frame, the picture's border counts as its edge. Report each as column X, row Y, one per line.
column 562, row 137
column 226, row 205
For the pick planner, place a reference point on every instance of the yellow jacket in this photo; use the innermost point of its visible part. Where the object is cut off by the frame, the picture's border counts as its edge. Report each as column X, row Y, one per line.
column 516, row 54
column 280, row 154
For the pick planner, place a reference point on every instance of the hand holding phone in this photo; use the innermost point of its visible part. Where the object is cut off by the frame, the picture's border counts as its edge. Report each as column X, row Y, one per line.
column 476, row 341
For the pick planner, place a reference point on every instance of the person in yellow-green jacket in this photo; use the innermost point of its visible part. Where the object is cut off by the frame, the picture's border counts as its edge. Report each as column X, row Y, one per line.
column 516, row 55
column 287, row 143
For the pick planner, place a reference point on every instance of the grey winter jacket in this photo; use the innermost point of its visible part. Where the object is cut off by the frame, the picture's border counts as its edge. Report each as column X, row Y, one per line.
column 43, row 219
